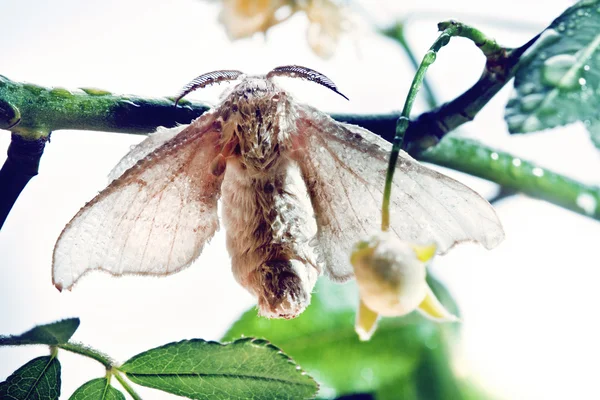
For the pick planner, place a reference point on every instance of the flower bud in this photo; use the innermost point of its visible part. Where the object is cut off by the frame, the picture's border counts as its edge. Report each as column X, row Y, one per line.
column 391, row 281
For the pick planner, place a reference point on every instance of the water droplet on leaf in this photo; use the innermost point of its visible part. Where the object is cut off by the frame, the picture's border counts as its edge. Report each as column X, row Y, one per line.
column 557, row 72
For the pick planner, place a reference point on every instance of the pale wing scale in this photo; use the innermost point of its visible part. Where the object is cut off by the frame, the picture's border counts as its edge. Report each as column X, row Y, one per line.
column 154, row 219
column 344, row 167
column 145, row 147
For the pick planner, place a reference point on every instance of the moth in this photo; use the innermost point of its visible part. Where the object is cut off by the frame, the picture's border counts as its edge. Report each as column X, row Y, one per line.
column 297, row 190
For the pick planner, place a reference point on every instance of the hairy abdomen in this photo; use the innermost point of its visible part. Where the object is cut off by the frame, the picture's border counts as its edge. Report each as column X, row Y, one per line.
column 270, row 223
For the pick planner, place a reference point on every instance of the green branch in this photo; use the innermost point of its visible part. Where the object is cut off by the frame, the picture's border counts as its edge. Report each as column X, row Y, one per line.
column 470, row 156
column 34, row 111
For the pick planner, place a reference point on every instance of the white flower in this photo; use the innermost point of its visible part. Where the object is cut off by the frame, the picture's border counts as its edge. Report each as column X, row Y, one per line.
column 391, row 281
column 327, row 20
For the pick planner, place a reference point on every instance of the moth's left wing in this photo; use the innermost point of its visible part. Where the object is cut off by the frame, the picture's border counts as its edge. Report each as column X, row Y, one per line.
column 154, row 219
column 344, row 167
column 152, row 142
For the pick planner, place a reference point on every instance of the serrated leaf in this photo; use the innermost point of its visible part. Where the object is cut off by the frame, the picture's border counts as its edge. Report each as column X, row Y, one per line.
column 97, row 389
column 559, row 79
column 322, row 339
column 38, row 379
column 244, row 369
column 51, row 334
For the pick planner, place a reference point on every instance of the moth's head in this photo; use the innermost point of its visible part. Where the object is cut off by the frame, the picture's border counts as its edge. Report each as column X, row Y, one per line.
column 254, row 88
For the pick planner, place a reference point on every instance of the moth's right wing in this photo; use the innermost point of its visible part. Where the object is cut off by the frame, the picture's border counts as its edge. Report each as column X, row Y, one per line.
column 345, row 166
column 154, row 219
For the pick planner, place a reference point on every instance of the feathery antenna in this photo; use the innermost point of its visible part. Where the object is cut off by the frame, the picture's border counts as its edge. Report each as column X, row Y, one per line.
column 207, row 79
column 296, row 71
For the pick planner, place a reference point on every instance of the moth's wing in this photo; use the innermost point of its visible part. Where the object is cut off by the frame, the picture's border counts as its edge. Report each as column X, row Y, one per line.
column 145, row 147
column 344, row 167
column 154, row 219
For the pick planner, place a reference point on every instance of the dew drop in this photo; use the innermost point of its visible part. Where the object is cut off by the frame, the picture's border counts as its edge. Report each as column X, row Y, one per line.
column 537, row 171
column 402, row 124
column 527, row 88
column 531, row 124
column 582, row 81
column 530, row 102
column 494, row 156
column 587, row 203
column 586, row 67
column 429, row 57
column 515, row 122
column 444, row 39
column 516, row 162
column 557, row 72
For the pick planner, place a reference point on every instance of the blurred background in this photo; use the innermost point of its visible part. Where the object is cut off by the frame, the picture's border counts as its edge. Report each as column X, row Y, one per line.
column 528, row 325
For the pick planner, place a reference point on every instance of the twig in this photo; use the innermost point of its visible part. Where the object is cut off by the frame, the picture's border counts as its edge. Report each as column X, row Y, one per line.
column 20, row 166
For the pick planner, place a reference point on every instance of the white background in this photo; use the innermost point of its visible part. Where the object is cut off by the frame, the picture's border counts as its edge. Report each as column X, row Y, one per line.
column 529, row 306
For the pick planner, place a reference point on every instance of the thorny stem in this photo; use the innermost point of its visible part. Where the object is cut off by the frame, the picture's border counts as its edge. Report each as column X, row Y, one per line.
column 86, row 351
column 125, row 385
column 403, row 121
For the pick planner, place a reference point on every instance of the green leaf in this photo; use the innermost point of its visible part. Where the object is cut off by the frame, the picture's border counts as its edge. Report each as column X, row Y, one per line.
column 38, row 379
column 322, row 339
column 51, row 334
column 97, row 389
column 246, row 368
column 558, row 81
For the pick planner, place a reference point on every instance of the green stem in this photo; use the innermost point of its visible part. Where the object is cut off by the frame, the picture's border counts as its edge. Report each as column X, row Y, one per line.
column 34, row 111
column 126, row 385
column 488, row 46
column 86, row 351
column 472, row 157
column 403, row 121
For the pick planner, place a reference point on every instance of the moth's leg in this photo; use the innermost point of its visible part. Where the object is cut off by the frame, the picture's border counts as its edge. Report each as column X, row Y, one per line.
column 269, row 222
